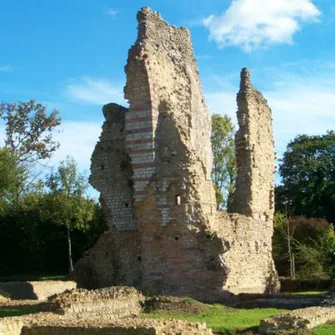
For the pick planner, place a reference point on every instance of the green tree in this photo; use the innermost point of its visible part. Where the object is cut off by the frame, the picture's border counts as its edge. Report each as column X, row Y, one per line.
column 28, row 130
column 224, row 166
column 66, row 205
column 11, row 178
column 32, row 243
column 303, row 247
column 308, row 177
column 28, row 139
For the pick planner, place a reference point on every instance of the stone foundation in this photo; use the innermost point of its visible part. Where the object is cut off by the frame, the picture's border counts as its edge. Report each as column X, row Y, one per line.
column 126, row 327
column 105, row 311
column 117, row 302
column 300, row 319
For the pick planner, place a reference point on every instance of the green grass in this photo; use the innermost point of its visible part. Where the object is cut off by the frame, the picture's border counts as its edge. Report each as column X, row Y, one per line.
column 223, row 319
column 310, row 292
column 305, row 293
column 16, row 311
column 327, row 329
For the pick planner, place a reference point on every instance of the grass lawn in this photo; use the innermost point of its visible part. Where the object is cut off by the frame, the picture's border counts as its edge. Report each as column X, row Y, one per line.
column 308, row 292
column 16, row 311
column 327, row 329
column 223, row 319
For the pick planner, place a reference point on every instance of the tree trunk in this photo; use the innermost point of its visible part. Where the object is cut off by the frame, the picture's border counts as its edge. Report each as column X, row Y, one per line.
column 70, row 250
column 291, row 255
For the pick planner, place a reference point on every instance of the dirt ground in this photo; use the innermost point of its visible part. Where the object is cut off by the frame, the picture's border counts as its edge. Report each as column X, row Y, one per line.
column 175, row 304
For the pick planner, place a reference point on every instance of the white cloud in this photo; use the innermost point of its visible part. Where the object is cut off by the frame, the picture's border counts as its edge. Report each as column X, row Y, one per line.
column 95, row 91
column 222, row 103
column 302, row 102
column 111, row 12
column 252, row 24
column 304, row 106
column 77, row 139
column 6, row 68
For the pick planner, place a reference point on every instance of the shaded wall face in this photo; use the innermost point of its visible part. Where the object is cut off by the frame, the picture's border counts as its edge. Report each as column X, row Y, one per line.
column 111, row 171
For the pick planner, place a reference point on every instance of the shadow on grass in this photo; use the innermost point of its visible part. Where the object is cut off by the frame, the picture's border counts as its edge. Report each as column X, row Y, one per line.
column 6, row 312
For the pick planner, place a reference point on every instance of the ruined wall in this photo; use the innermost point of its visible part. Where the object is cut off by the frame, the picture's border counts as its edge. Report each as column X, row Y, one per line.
column 254, row 195
column 117, row 302
column 39, row 290
column 179, row 243
column 106, row 311
column 111, row 170
column 124, row 327
column 115, row 258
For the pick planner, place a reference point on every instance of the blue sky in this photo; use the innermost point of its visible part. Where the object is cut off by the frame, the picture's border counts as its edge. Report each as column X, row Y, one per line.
column 70, row 55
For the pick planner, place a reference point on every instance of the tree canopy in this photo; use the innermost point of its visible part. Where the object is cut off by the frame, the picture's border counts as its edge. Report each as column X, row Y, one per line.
column 303, row 247
column 28, row 139
column 224, row 165
column 308, row 177
column 11, row 177
column 65, row 203
column 28, row 130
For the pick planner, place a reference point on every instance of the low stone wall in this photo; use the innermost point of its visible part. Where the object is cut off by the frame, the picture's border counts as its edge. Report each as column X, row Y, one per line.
column 117, row 302
column 72, row 311
column 39, row 290
column 11, row 326
column 126, row 327
column 49, row 323
column 300, row 319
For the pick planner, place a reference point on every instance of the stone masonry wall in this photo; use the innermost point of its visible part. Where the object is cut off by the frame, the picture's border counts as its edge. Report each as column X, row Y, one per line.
column 121, row 327
column 180, row 244
column 117, row 302
column 111, row 163
column 254, row 195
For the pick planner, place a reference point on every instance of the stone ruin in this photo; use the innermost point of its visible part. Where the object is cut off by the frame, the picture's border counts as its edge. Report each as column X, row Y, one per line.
column 108, row 311
column 152, row 167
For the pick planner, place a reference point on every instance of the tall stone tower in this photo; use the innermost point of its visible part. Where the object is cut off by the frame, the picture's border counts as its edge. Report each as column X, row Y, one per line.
column 255, row 154
column 152, row 167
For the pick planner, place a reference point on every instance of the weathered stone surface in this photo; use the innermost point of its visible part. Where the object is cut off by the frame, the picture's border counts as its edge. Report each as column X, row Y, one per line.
column 117, row 302
column 152, row 167
column 300, row 319
column 48, row 323
column 79, row 309
column 124, row 327
column 255, row 157
column 39, row 290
